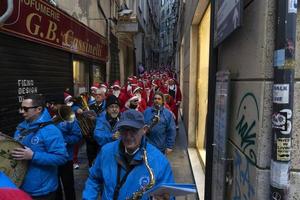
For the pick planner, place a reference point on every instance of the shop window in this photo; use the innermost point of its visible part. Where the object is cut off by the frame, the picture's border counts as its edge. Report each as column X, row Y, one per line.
column 97, row 75
column 80, row 77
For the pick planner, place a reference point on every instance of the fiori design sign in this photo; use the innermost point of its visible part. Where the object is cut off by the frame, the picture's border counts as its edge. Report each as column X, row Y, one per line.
column 39, row 21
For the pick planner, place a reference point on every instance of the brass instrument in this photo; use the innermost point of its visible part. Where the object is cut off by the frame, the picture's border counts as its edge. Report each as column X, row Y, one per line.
column 139, row 194
column 87, row 123
column 84, row 103
column 116, row 135
column 14, row 169
column 86, row 119
column 63, row 113
column 154, row 120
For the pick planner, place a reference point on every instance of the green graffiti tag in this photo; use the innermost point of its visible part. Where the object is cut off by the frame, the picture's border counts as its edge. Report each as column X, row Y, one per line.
column 244, row 126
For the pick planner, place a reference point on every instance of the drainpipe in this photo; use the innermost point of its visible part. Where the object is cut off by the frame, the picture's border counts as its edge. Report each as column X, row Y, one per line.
column 283, row 94
column 108, row 39
column 8, row 12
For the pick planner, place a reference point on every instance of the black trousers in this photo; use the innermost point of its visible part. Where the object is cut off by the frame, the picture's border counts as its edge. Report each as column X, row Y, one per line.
column 66, row 175
column 92, row 149
column 50, row 196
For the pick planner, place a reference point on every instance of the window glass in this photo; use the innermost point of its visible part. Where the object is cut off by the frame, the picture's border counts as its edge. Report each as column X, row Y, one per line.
column 80, row 77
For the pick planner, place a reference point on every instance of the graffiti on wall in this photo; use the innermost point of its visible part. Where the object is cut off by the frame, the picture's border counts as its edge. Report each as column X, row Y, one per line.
column 246, row 120
column 243, row 188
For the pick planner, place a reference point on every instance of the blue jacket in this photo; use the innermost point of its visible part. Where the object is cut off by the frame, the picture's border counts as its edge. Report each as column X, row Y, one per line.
column 49, row 151
column 103, row 131
column 104, row 171
column 5, row 181
column 163, row 134
column 72, row 135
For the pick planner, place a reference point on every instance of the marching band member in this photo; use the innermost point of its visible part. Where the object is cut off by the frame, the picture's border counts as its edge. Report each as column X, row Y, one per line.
column 99, row 105
column 105, row 123
column 72, row 135
column 44, row 148
column 128, row 166
column 175, row 93
column 163, row 134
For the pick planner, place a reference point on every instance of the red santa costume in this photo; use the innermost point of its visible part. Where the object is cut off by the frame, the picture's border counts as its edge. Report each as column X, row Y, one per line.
column 116, row 88
column 174, row 91
column 155, row 87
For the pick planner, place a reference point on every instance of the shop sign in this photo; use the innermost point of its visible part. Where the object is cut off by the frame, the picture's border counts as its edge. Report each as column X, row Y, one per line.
column 228, row 17
column 41, row 22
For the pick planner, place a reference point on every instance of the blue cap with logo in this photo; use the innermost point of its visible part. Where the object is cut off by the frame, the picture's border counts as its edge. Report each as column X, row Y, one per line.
column 131, row 118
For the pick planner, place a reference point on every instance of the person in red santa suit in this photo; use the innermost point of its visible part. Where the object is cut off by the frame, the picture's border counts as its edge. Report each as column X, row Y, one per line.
column 175, row 93
column 156, row 83
column 105, row 86
column 168, row 99
column 126, row 91
column 136, row 101
column 115, row 89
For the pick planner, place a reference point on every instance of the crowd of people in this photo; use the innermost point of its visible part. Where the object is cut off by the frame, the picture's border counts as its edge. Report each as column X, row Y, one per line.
column 128, row 131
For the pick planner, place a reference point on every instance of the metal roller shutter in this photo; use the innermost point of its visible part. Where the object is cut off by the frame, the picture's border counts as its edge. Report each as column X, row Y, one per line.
column 27, row 67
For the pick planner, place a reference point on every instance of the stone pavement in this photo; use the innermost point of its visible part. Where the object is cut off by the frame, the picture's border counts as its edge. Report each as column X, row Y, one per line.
column 179, row 161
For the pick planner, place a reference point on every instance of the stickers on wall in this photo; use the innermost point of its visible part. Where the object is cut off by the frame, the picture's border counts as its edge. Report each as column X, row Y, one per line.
column 284, row 149
column 282, row 121
column 292, row 6
column 279, row 57
column 281, row 93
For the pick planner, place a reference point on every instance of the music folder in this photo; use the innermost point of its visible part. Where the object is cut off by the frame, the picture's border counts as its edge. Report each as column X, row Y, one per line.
column 173, row 189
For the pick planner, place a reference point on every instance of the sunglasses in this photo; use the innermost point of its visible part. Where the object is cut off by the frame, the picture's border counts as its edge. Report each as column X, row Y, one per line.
column 26, row 108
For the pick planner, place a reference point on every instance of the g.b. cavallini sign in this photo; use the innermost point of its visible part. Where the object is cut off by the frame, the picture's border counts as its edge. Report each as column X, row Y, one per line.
column 39, row 21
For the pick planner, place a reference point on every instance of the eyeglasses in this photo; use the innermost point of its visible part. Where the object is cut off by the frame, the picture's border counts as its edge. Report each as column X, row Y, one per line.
column 26, row 108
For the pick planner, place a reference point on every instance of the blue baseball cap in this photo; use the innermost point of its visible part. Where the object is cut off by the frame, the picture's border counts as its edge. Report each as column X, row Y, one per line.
column 131, row 118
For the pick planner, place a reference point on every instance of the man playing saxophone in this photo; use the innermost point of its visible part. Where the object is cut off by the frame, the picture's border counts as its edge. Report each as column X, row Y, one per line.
column 128, row 167
column 163, row 134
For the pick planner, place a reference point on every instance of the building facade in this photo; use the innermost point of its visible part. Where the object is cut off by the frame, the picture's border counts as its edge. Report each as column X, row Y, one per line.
column 46, row 50
column 247, row 55
column 168, row 37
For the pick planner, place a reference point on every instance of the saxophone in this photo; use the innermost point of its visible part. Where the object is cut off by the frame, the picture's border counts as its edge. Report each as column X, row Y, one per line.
column 139, row 194
column 155, row 119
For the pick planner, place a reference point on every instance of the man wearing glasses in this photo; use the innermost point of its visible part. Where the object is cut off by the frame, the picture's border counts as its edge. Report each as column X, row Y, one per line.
column 44, row 148
column 120, row 168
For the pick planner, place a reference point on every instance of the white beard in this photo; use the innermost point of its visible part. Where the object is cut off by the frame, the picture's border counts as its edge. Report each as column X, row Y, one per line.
column 129, row 88
column 116, row 93
column 70, row 103
column 172, row 87
column 139, row 96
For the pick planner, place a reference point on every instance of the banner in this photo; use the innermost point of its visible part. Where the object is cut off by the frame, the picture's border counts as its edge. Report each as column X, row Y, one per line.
column 41, row 22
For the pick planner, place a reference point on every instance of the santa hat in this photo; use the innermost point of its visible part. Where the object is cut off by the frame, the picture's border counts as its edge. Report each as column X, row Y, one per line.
column 148, row 85
column 137, row 88
column 132, row 97
column 156, row 82
column 67, row 97
column 116, row 84
column 95, row 86
column 104, row 85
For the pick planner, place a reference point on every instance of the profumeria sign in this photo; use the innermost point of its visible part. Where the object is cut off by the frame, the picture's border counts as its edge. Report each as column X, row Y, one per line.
column 39, row 21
